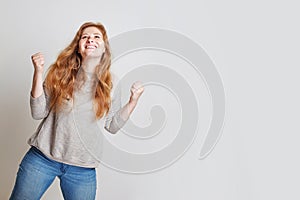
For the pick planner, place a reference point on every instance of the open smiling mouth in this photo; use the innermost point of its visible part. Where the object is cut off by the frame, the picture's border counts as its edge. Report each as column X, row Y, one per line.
column 90, row 46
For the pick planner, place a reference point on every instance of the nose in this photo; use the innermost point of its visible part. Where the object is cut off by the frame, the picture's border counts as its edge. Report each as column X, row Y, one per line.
column 90, row 40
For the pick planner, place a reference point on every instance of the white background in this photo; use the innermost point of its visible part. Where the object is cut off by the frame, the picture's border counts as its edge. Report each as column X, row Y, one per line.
column 255, row 46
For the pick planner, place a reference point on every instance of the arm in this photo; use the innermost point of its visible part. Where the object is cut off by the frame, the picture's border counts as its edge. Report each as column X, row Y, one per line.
column 118, row 116
column 38, row 98
column 136, row 91
column 37, row 82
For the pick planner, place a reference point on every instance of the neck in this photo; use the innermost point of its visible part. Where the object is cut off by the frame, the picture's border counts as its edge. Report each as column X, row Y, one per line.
column 89, row 65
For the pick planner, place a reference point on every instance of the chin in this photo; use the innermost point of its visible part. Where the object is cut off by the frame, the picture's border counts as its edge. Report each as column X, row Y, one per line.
column 93, row 56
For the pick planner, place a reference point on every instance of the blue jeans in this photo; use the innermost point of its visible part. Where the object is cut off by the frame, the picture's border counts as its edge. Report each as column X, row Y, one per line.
column 37, row 172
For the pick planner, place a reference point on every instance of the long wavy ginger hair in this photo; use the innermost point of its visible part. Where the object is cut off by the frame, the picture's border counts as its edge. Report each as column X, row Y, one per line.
column 60, row 79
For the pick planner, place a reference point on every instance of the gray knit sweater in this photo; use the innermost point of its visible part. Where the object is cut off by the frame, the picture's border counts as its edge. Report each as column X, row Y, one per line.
column 73, row 136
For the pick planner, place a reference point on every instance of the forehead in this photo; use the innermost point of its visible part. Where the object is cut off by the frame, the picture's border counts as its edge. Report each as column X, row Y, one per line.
column 91, row 30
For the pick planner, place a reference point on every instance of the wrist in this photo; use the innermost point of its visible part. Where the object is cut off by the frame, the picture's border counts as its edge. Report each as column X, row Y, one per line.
column 38, row 72
column 132, row 101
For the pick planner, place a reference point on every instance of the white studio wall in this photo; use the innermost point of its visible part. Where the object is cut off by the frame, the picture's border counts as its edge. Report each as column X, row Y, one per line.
column 253, row 45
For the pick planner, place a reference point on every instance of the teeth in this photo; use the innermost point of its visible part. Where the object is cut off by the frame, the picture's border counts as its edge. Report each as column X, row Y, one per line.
column 90, row 47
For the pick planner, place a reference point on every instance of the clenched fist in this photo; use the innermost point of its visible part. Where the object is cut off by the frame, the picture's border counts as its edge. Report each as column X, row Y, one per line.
column 38, row 62
column 136, row 91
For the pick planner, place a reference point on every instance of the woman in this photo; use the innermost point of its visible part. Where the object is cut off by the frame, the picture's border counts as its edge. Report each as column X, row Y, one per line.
column 77, row 90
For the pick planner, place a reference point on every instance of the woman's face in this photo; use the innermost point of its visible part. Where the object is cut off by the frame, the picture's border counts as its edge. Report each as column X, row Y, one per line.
column 91, row 44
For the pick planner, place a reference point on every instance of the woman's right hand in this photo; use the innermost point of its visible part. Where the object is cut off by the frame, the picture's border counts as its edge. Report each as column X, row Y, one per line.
column 38, row 62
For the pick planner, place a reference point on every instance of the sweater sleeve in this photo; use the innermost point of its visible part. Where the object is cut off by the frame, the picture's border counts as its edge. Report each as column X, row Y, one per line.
column 114, row 120
column 40, row 105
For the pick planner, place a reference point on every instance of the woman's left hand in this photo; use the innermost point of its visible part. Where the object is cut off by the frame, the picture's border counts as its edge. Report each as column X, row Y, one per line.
column 136, row 91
